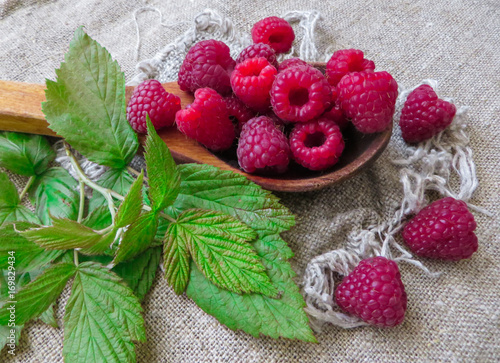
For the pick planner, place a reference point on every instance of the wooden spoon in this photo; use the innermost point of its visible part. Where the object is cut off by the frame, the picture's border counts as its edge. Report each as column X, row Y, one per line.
column 20, row 110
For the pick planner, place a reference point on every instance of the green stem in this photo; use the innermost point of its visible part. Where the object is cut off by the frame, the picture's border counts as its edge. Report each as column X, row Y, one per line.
column 82, row 202
column 107, row 193
column 27, row 187
column 135, row 172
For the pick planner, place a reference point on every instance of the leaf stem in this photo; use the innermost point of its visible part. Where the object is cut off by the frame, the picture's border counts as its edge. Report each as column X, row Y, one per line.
column 82, row 202
column 135, row 172
column 107, row 193
column 27, row 187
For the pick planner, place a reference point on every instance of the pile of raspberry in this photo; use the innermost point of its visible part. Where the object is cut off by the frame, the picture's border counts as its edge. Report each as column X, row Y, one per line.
column 273, row 113
column 276, row 113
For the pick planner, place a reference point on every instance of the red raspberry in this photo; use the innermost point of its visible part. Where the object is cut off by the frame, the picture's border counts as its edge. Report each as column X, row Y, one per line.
column 207, row 64
column 368, row 99
column 262, row 147
column 258, row 50
column 289, row 63
column 346, row 61
column 276, row 32
column 150, row 97
column 251, row 82
column 424, row 115
column 239, row 114
column 300, row 94
column 444, row 229
column 317, row 144
column 206, row 120
column 374, row 292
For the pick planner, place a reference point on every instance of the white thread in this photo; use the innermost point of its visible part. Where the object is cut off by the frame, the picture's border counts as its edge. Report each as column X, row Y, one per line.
column 307, row 21
column 136, row 23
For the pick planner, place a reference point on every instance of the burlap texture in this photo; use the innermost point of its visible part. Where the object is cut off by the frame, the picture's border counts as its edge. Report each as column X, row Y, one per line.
column 454, row 318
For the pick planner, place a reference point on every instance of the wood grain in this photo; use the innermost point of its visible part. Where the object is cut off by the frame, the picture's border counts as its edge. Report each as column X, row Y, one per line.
column 20, row 110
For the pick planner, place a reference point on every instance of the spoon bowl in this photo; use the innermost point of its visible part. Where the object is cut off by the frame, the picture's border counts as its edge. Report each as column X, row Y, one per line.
column 20, row 110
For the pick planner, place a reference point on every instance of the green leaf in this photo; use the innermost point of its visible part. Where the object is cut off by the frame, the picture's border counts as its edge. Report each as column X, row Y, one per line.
column 138, row 237
column 5, row 333
column 28, row 255
column 118, row 180
column 25, row 154
column 54, row 193
column 140, row 272
column 102, row 318
column 15, row 214
column 131, row 207
column 86, row 105
column 34, row 298
column 176, row 258
column 207, row 187
column 64, row 234
column 219, row 246
column 163, row 177
column 102, row 245
column 8, row 192
column 49, row 317
column 10, row 209
column 99, row 218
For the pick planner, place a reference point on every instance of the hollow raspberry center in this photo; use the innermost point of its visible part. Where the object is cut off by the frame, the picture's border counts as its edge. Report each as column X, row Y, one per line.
column 276, row 38
column 298, row 96
column 315, row 140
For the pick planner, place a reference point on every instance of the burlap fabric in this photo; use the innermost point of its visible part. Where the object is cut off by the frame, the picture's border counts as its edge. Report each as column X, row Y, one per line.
column 453, row 318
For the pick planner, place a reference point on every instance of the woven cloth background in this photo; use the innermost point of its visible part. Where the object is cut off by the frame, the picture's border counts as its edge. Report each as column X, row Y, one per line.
column 453, row 318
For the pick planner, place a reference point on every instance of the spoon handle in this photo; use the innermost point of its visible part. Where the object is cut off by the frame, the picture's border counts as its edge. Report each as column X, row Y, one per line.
column 21, row 111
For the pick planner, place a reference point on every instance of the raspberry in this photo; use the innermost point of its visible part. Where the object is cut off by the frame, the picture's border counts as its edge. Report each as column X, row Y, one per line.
column 368, row 99
column 289, row 63
column 424, row 115
column 317, row 144
column 150, row 97
column 258, row 50
column 239, row 114
column 251, row 82
column 300, row 94
column 276, row 32
column 346, row 61
column 444, row 229
column 262, row 147
column 207, row 64
column 374, row 292
column 206, row 120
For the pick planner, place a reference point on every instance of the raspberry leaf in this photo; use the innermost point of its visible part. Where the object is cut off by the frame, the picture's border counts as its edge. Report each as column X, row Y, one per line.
column 64, row 234
column 164, row 179
column 204, row 186
column 176, row 258
column 54, row 194
column 208, row 187
column 140, row 272
column 34, row 298
column 49, row 317
column 131, row 207
column 25, row 154
column 138, row 237
column 118, row 180
column 99, row 218
column 86, row 104
column 102, row 318
column 220, row 248
column 29, row 256
column 10, row 209
column 8, row 193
